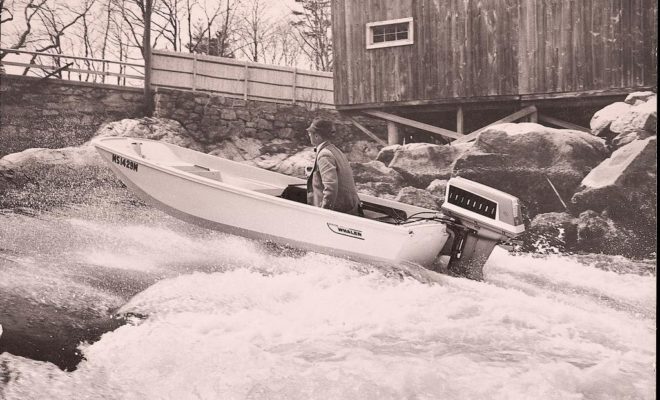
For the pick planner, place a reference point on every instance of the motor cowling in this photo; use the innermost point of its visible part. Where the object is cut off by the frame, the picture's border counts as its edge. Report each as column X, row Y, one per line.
column 483, row 216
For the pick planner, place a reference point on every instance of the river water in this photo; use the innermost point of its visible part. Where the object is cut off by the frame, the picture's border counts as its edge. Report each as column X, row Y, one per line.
column 166, row 310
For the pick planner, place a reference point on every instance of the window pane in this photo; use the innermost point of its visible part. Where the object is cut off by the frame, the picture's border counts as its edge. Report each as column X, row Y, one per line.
column 390, row 33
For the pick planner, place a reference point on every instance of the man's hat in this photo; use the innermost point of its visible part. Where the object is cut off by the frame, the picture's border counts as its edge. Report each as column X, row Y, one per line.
column 321, row 126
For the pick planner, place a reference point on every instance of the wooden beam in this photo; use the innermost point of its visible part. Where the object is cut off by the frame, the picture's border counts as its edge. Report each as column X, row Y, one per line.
column 413, row 123
column 509, row 118
column 562, row 124
column 367, row 132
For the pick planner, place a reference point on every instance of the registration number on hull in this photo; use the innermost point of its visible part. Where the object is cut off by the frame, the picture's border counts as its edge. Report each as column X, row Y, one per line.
column 124, row 162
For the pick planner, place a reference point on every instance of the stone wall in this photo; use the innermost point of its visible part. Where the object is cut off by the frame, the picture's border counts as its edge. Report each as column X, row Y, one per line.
column 213, row 119
column 54, row 113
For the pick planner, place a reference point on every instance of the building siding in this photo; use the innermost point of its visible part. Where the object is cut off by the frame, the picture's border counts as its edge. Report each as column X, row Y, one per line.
column 480, row 48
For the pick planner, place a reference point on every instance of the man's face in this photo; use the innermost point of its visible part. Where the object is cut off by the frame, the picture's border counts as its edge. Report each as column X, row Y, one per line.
column 314, row 138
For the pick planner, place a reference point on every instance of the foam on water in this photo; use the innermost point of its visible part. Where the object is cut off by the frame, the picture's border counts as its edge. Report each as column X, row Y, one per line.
column 230, row 319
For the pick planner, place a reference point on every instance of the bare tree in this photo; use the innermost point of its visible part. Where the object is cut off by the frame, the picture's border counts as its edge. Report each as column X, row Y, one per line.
column 6, row 13
column 53, row 20
column 209, row 38
column 168, row 21
column 313, row 25
column 31, row 10
column 190, row 5
column 284, row 49
column 255, row 30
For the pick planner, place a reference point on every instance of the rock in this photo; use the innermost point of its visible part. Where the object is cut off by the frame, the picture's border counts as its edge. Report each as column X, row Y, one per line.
column 522, row 159
column 602, row 119
column 238, row 149
column 627, row 138
column 162, row 129
column 286, row 133
column 624, row 186
column 590, row 232
column 640, row 122
column 638, row 97
column 438, row 188
column 42, row 179
column 386, row 154
column 418, row 197
column 362, row 151
column 278, row 146
column 377, row 178
column 421, row 163
column 289, row 165
column 599, row 234
column 551, row 233
column 376, row 189
column 641, row 117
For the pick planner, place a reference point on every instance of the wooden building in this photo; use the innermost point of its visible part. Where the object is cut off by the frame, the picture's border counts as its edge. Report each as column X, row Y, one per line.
column 423, row 63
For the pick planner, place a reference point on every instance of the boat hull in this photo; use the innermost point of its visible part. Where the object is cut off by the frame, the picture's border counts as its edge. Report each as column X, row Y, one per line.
column 254, row 211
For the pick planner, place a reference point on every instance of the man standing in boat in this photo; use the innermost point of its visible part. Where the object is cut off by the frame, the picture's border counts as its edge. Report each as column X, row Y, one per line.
column 330, row 184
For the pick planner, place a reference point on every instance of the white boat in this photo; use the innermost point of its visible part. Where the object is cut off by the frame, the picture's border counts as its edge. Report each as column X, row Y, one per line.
column 240, row 199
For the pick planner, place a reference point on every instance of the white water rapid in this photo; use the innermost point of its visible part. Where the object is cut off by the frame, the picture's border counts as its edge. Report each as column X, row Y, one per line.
column 211, row 316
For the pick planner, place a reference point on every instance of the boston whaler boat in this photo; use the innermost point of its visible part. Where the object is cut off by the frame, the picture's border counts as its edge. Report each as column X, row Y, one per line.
column 240, row 199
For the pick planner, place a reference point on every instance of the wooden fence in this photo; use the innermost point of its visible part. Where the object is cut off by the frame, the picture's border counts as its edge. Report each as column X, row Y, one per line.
column 240, row 79
column 83, row 69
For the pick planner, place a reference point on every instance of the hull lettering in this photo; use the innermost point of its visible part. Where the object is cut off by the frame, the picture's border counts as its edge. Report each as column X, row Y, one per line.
column 342, row 230
column 126, row 163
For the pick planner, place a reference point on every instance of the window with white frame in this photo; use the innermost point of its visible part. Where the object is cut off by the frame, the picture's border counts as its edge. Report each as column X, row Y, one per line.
column 395, row 32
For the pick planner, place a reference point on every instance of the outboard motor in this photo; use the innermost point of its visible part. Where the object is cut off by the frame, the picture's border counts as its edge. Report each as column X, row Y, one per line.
column 483, row 217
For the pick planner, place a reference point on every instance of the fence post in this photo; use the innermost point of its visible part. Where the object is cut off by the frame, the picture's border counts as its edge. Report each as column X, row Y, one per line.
column 295, row 81
column 246, row 81
column 194, row 76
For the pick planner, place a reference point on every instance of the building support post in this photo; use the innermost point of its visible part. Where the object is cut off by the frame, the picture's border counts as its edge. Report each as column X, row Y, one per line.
column 534, row 117
column 459, row 120
column 393, row 134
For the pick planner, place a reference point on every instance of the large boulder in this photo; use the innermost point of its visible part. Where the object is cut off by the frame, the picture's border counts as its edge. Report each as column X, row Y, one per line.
column 42, row 179
column 531, row 161
column 636, row 98
column 422, row 163
column 624, row 186
column 590, row 232
column 46, row 178
column 438, row 188
column 362, row 151
column 238, row 149
column 419, row 198
column 602, row 120
column 386, row 154
column 548, row 233
column 293, row 165
column 596, row 233
column 162, row 129
column 622, row 122
column 639, row 122
column 376, row 179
